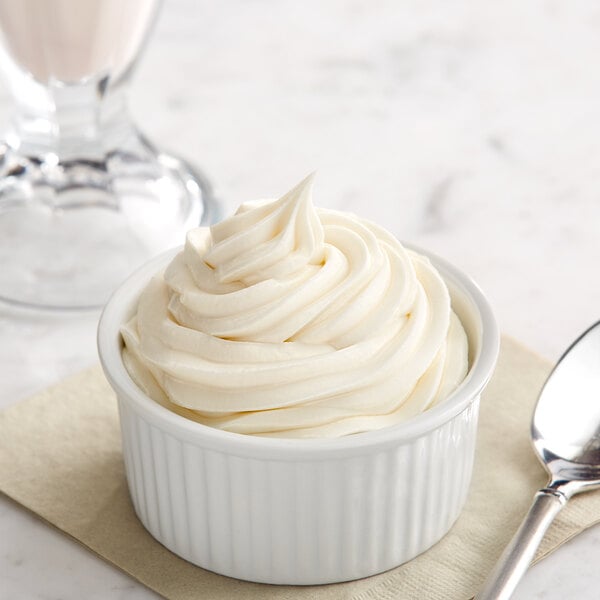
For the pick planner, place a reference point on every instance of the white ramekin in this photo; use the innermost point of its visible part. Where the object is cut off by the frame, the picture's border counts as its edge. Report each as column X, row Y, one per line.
column 299, row 511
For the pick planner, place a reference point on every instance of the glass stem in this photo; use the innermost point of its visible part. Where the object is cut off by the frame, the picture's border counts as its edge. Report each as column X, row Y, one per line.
column 84, row 121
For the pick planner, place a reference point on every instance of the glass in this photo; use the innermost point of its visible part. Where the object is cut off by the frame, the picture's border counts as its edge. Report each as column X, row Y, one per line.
column 84, row 197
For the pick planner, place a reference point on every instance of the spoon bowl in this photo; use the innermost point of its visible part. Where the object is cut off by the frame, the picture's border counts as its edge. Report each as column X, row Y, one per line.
column 566, row 424
column 565, row 432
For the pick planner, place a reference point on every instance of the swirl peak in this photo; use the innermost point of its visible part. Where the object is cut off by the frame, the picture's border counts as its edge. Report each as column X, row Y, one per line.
column 268, row 240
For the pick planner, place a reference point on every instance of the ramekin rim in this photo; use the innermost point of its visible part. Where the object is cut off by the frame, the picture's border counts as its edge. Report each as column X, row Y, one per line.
column 109, row 351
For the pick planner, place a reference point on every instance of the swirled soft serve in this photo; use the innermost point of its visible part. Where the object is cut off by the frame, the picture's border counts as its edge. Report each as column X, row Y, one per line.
column 286, row 320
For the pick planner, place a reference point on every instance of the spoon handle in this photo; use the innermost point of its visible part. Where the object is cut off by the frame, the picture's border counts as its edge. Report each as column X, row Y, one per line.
column 519, row 553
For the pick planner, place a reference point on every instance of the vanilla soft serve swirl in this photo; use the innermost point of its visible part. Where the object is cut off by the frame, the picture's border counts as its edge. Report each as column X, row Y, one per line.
column 292, row 321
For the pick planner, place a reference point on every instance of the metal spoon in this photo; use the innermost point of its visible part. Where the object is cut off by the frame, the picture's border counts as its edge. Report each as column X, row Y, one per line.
column 566, row 436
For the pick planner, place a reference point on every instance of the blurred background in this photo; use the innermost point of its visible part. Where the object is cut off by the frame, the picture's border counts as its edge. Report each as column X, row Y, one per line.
column 471, row 129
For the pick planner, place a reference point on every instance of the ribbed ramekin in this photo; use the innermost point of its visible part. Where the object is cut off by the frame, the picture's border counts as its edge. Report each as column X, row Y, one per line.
column 299, row 511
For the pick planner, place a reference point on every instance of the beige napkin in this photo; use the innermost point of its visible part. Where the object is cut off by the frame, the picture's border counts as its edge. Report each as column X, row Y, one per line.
column 60, row 457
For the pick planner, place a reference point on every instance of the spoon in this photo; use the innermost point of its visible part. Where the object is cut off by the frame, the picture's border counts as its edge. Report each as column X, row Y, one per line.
column 566, row 437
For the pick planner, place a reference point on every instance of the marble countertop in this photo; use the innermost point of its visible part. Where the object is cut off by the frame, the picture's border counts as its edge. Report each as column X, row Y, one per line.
column 467, row 128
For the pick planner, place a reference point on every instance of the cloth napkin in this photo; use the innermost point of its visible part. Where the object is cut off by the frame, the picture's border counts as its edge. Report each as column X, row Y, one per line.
column 60, row 457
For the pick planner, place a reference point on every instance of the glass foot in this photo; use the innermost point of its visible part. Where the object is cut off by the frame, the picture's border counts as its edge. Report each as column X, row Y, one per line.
column 71, row 232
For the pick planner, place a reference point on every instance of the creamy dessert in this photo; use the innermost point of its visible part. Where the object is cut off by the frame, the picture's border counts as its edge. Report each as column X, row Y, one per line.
column 291, row 321
column 69, row 41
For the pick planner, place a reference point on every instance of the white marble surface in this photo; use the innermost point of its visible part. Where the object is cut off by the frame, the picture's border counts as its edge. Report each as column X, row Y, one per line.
column 468, row 128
